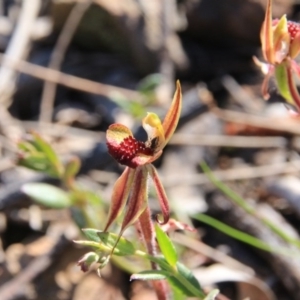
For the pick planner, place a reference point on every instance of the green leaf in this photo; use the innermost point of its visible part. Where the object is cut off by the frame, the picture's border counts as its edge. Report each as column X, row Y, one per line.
column 182, row 279
column 47, row 195
column 27, row 147
column 281, row 76
column 237, row 199
column 109, row 240
column 148, row 84
column 240, row 235
column 135, row 109
column 166, row 246
column 94, row 245
column 188, row 275
column 86, row 196
column 38, row 155
column 212, row 295
column 150, row 275
column 71, row 169
column 78, row 216
column 230, row 231
column 37, row 162
column 92, row 234
column 123, row 247
column 177, row 295
column 45, row 148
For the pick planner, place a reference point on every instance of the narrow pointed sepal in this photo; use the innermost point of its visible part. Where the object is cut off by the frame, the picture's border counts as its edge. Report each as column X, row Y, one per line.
column 171, row 119
column 119, row 196
column 138, row 200
column 292, row 87
column 161, row 194
column 146, row 232
column 266, row 35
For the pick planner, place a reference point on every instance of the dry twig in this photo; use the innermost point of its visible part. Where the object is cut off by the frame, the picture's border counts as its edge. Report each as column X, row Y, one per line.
column 70, row 81
column 57, row 57
column 210, row 252
column 288, row 125
column 228, row 141
column 241, row 173
column 18, row 46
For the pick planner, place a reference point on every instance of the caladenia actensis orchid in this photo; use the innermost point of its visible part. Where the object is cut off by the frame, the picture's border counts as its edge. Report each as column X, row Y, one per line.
column 138, row 156
column 129, row 201
column 130, row 192
column 280, row 40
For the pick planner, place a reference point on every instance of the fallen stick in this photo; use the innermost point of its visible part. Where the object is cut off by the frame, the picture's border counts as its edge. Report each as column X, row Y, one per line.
column 70, row 81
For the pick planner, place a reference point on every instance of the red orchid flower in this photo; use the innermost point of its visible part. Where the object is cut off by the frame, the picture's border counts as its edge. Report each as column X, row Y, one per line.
column 280, row 41
column 138, row 156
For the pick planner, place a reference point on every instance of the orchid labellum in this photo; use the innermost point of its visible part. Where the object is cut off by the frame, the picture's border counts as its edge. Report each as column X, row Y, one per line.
column 280, row 41
column 130, row 189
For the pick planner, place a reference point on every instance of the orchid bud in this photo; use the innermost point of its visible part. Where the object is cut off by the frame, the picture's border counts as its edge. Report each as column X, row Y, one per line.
column 87, row 260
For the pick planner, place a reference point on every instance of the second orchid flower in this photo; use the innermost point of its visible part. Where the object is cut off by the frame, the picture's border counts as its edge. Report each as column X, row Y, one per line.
column 280, row 41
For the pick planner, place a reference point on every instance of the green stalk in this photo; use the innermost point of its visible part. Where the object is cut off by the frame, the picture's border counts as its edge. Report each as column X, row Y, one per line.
column 244, row 205
column 241, row 236
column 173, row 272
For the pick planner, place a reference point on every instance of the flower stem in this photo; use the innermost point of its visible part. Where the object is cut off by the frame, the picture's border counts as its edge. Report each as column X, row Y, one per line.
column 173, row 272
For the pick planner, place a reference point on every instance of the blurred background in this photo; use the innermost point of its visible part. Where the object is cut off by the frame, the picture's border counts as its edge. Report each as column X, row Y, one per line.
column 69, row 69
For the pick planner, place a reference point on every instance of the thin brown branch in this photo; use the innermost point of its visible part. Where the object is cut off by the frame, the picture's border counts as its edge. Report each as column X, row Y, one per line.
column 57, row 57
column 228, row 141
column 70, row 81
column 288, row 125
column 19, row 45
column 241, row 173
column 210, row 252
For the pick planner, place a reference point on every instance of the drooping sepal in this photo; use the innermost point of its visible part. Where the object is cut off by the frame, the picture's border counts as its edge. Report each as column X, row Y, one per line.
column 138, row 200
column 120, row 194
column 161, row 194
column 146, row 230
